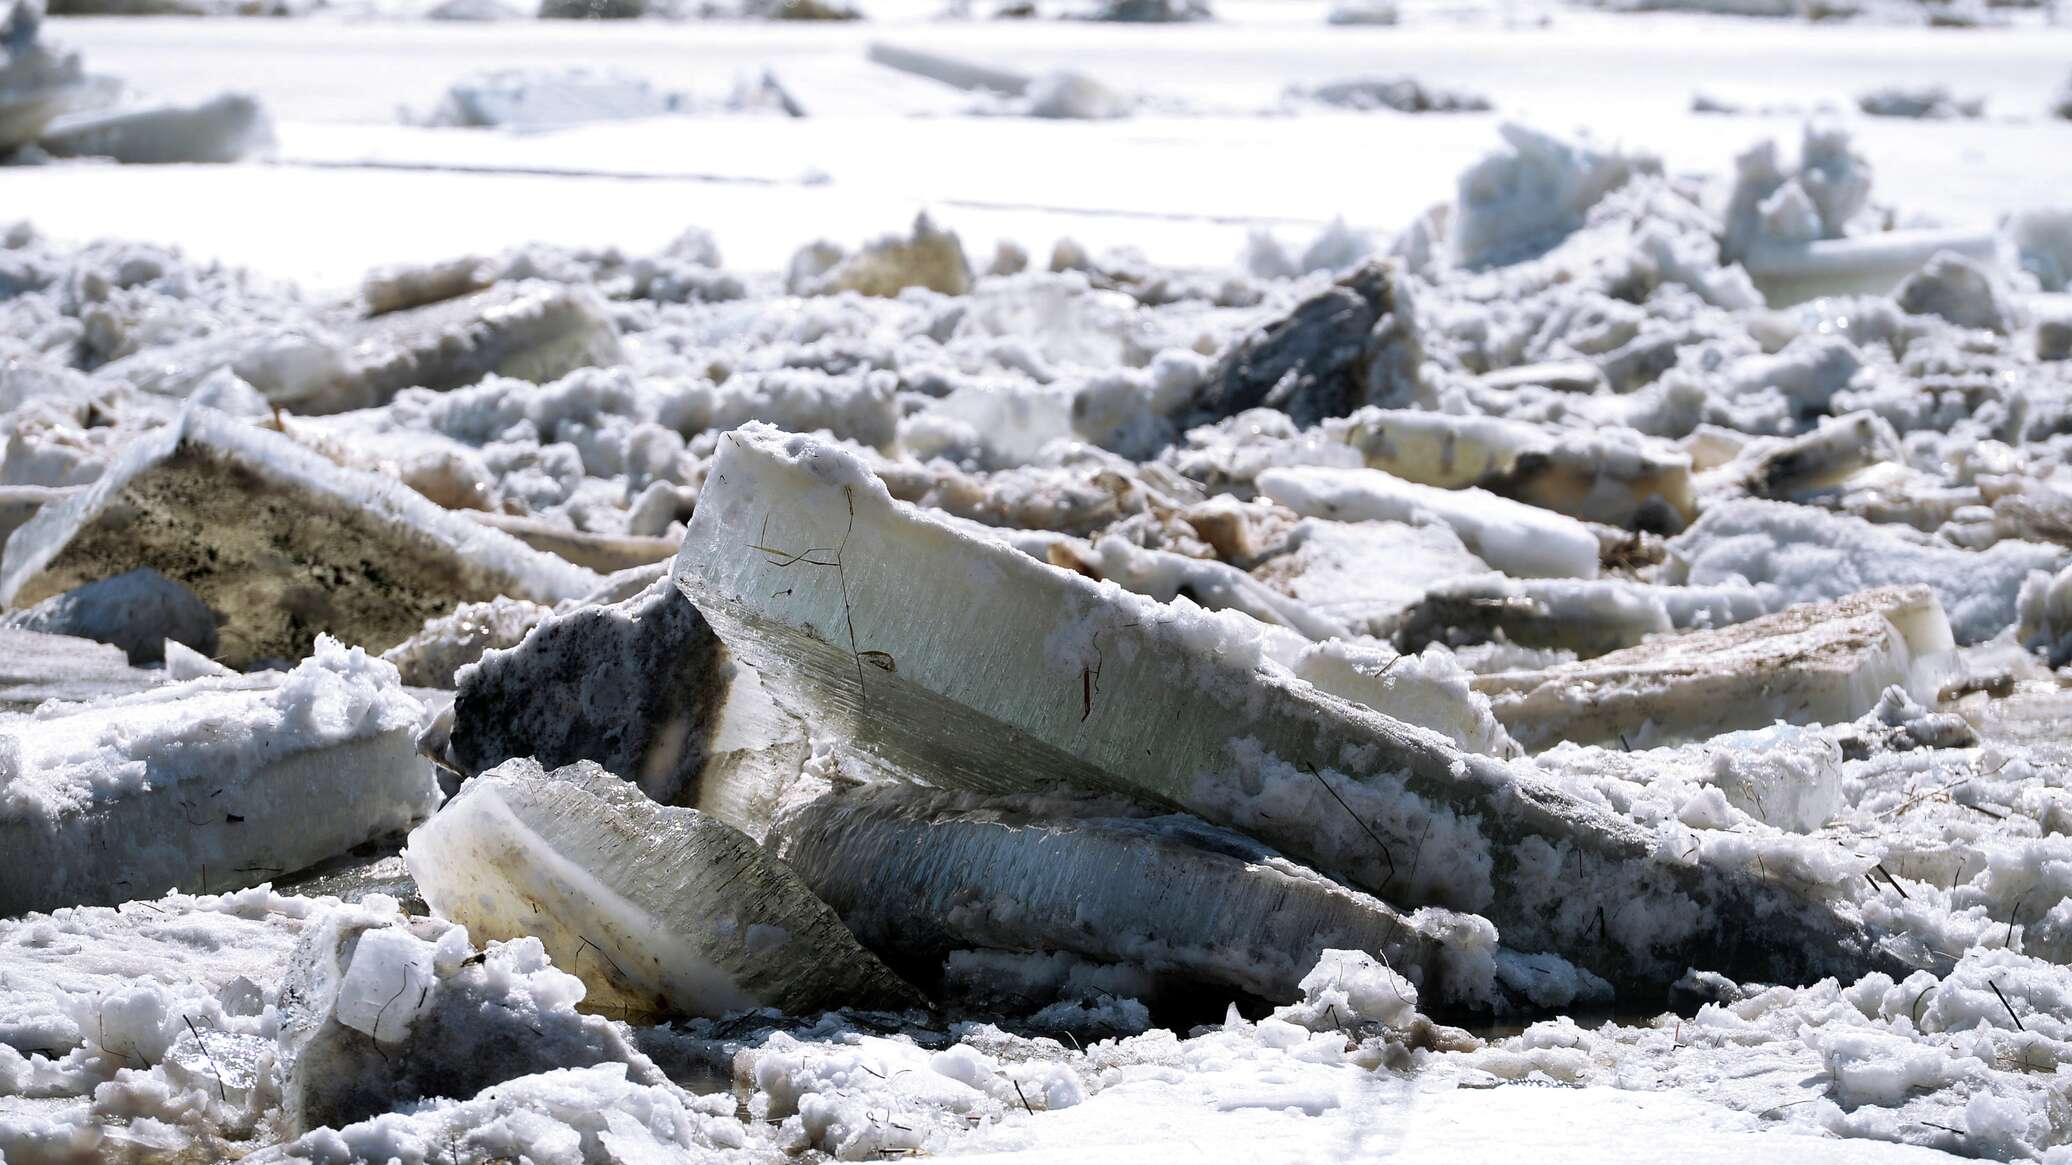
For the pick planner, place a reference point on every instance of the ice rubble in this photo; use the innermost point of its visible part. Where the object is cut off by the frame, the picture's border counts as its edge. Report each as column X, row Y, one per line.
column 38, row 82
column 679, row 912
column 1800, row 554
column 810, row 572
column 207, row 784
column 279, row 542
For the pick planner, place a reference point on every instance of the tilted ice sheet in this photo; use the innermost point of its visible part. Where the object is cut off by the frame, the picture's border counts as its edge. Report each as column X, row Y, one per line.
column 968, row 664
column 281, row 542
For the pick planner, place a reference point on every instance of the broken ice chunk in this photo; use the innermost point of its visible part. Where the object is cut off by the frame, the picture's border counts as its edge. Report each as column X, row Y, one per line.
column 1821, row 459
column 280, row 542
column 378, row 1012
column 1217, row 586
column 657, row 909
column 225, row 128
column 1513, row 537
column 603, row 553
column 1816, row 663
column 1616, row 476
column 1366, row 574
column 138, row 611
column 918, row 874
column 1325, row 358
column 929, row 257
column 967, row 664
column 645, row 689
column 430, row 658
column 1586, row 616
column 37, row 81
column 1429, row 689
column 207, row 785
column 528, row 329
column 1523, row 200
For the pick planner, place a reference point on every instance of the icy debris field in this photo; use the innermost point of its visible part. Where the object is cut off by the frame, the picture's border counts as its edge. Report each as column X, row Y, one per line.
column 1496, row 642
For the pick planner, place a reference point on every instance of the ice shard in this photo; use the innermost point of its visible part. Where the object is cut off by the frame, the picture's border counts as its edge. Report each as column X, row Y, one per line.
column 526, row 329
column 1815, row 663
column 278, row 541
column 918, row 873
column 207, row 785
column 973, row 666
column 1514, row 537
column 1602, row 475
column 645, row 689
column 658, row 910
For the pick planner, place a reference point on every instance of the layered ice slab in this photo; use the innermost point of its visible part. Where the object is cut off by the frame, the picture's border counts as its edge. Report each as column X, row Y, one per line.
column 1815, row 663
column 968, row 664
column 36, row 666
column 207, row 785
column 657, row 910
column 918, row 873
column 278, row 541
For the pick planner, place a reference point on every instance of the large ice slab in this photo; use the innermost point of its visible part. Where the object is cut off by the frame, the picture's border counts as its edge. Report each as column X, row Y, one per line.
column 224, row 128
column 968, row 664
column 278, row 541
column 659, row 910
column 207, row 785
column 918, row 873
column 1815, row 663
column 646, row 690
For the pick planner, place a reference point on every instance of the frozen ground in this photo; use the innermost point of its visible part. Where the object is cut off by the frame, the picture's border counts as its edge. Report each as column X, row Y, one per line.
column 879, row 145
column 632, row 643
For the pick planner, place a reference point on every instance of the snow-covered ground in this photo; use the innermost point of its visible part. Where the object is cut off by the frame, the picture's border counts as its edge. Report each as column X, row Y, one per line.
column 879, row 145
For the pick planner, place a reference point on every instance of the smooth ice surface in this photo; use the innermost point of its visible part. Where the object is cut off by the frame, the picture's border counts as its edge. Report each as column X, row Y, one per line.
column 660, row 910
column 207, row 784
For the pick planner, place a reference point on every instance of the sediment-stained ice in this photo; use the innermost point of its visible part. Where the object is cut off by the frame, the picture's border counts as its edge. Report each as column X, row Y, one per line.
column 278, row 541
column 1815, row 663
column 225, row 128
column 918, row 873
column 643, row 688
column 208, row 784
column 1034, row 677
column 1586, row 616
column 657, row 909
